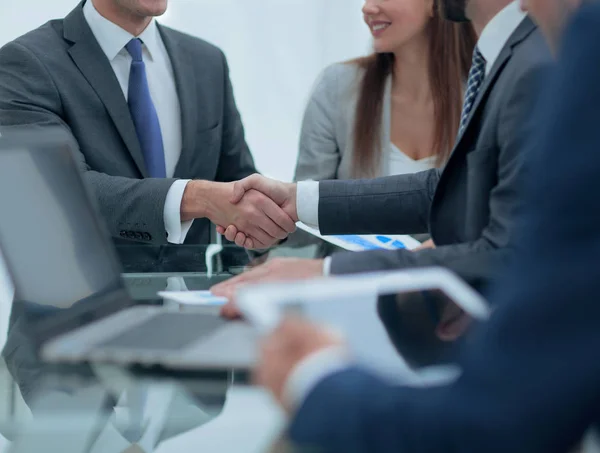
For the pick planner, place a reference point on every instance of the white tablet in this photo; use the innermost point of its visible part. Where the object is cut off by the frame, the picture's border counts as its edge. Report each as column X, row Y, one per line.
column 264, row 304
column 348, row 305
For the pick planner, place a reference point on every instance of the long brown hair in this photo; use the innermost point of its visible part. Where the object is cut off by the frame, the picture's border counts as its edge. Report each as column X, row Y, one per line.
column 450, row 52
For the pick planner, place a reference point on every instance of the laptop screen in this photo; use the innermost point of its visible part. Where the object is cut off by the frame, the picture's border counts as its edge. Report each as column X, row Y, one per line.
column 58, row 254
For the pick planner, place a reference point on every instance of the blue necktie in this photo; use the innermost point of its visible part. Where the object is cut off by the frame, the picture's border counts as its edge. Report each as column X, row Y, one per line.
column 144, row 114
column 476, row 77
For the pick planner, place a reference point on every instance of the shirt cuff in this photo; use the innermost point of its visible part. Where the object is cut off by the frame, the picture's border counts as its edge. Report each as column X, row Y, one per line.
column 176, row 229
column 307, row 203
column 313, row 369
column 327, row 267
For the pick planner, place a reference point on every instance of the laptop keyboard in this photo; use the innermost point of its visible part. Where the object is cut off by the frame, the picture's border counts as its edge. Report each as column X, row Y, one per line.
column 167, row 331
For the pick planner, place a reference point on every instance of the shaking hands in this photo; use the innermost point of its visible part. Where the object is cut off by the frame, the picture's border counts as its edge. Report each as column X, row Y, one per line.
column 255, row 212
column 277, row 200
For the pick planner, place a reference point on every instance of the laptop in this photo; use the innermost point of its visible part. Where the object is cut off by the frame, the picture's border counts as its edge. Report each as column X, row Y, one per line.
column 69, row 295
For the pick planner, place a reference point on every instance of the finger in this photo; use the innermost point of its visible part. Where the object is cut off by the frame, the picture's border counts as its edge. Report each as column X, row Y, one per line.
column 220, row 229
column 450, row 312
column 261, row 221
column 224, row 289
column 452, row 330
column 271, row 229
column 262, row 238
column 230, row 311
column 240, row 239
column 284, row 222
column 242, row 186
column 227, row 288
column 249, row 244
column 231, row 232
column 259, row 245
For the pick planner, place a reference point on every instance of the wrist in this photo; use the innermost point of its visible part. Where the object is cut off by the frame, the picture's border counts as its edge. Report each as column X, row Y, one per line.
column 197, row 201
column 293, row 197
column 319, row 267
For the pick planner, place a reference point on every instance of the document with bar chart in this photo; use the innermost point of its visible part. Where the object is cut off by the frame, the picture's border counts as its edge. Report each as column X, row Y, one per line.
column 361, row 242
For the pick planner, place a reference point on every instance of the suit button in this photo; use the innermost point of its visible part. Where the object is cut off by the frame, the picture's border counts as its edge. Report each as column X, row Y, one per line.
column 147, row 237
column 131, row 235
column 123, row 234
column 139, row 236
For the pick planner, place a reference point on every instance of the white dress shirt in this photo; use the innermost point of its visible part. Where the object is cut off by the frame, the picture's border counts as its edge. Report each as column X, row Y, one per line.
column 161, row 81
column 312, row 370
column 493, row 38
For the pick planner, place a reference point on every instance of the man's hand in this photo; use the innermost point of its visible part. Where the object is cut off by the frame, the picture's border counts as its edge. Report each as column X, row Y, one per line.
column 454, row 322
column 293, row 341
column 280, row 269
column 429, row 244
column 283, row 194
column 264, row 222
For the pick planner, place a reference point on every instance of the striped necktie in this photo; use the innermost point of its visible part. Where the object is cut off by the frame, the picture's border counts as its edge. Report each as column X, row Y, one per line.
column 476, row 77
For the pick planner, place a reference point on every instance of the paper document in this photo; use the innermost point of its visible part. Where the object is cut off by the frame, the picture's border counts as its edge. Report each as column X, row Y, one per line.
column 361, row 242
column 193, row 297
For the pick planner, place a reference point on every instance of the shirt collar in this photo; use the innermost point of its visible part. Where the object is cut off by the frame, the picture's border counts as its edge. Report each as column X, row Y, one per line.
column 112, row 38
column 496, row 33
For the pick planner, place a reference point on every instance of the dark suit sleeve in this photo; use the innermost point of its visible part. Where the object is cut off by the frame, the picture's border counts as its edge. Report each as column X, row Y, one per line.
column 514, row 132
column 530, row 375
column 235, row 162
column 29, row 97
column 393, row 204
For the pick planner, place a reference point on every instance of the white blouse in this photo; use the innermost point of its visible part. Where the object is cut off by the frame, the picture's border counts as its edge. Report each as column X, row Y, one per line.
column 399, row 163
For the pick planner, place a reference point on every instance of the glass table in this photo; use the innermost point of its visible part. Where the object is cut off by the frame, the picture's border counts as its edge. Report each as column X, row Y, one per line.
column 100, row 408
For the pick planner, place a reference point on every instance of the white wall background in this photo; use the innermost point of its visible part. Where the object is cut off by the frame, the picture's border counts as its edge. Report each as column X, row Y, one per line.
column 275, row 48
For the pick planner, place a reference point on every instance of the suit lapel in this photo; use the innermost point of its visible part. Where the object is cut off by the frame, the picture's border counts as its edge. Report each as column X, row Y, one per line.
column 522, row 31
column 95, row 67
column 185, row 82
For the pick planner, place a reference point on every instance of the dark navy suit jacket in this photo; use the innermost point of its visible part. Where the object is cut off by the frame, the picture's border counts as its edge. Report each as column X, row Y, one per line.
column 531, row 381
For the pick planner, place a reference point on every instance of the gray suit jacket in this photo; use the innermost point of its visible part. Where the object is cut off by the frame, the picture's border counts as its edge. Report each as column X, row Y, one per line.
column 471, row 205
column 326, row 139
column 59, row 75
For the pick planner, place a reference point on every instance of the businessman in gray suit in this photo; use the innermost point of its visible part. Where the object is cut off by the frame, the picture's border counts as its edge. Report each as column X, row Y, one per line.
column 160, row 138
column 469, row 206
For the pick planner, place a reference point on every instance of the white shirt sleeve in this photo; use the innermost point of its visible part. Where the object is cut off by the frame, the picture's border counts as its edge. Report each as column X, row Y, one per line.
column 307, row 203
column 176, row 229
column 327, row 267
column 313, row 369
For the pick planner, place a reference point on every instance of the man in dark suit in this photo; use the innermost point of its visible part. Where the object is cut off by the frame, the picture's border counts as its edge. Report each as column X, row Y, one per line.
column 530, row 381
column 470, row 205
column 153, row 112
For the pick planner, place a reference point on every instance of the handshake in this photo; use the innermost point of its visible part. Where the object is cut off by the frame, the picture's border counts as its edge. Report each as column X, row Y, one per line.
column 255, row 212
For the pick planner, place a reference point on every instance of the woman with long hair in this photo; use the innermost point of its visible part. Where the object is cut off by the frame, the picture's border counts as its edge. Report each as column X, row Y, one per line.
column 393, row 112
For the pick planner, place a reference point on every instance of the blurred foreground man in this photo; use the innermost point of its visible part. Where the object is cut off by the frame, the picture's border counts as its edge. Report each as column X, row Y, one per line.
column 153, row 113
column 531, row 378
